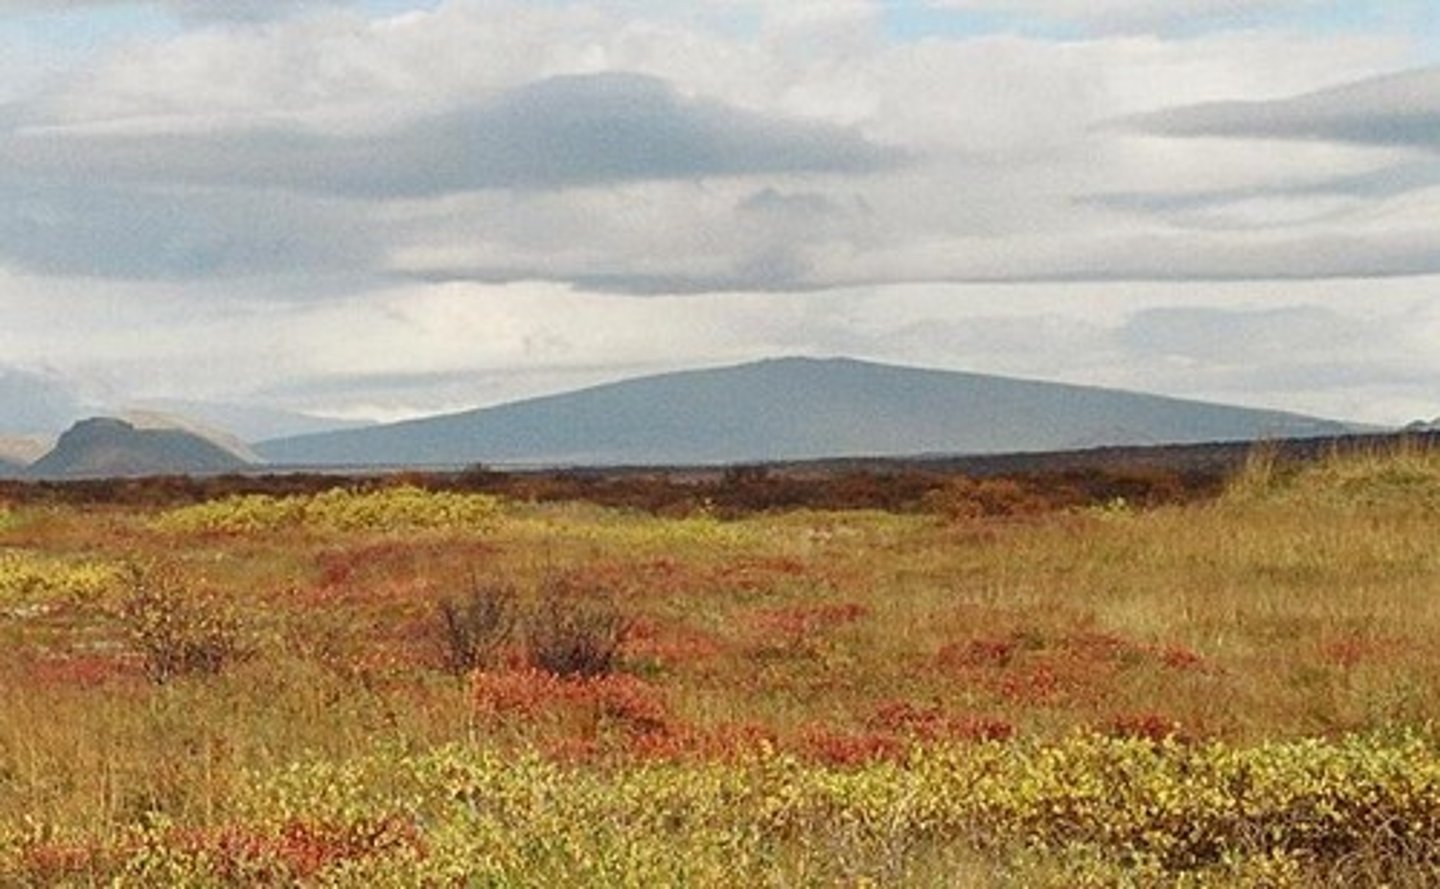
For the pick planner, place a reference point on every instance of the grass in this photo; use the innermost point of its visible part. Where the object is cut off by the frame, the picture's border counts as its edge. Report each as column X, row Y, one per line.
column 803, row 697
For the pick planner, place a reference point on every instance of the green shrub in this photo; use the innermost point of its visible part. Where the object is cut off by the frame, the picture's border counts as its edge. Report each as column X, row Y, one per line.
column 28, row 579
column 401, row 508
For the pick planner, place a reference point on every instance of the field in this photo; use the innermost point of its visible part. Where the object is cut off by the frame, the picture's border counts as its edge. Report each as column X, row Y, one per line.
column 980, row 684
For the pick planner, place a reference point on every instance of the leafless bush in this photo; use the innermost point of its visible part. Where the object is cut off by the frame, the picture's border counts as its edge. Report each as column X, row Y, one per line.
column 473, row 630
column 575, row 631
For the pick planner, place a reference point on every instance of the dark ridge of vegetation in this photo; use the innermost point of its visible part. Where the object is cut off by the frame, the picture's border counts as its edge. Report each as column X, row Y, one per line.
column 729, row 494
column 1039, row 482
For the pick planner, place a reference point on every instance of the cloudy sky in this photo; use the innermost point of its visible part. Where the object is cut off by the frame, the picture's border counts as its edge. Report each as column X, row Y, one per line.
column 388, row 207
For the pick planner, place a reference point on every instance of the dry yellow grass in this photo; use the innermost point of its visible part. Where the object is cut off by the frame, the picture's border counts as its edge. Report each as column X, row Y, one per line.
column 1301, row 604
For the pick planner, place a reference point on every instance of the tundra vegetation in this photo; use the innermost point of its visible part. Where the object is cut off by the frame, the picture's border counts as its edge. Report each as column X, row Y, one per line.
column 994, row 683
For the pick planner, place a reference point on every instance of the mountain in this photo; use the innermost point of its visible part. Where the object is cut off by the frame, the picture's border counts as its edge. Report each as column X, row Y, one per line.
column 792, row 409
column 105, row 447
column 146, row 419
column 22, row 450
column 249, row 423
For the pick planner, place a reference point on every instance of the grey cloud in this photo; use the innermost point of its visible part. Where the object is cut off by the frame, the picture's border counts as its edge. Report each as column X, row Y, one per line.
column 1386, row 182
column 1400, row 110
column 778, row 270
column 154, row 233
column 770, row 239
column 1182, row 256
column 561, row 132
column 1300, row 258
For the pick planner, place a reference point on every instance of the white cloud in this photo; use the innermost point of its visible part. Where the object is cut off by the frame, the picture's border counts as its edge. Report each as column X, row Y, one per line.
column 385, row 273
column 1141, row 15
column 201, row 10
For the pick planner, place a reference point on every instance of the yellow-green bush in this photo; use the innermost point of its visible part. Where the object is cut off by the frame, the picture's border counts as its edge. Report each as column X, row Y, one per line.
column 404, row 508
column 1126, row 806
column 26, row 578
column 1088, row 810
column 630, row 531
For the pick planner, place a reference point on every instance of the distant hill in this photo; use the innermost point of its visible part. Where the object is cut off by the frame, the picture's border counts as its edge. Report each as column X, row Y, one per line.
column 149, row 419
column 106, row 447
column 22, row 450
column 793, row 409
column 249, row 423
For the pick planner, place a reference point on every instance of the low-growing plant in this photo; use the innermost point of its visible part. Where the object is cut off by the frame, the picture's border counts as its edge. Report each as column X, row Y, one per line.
column 398, row 508
column 574, row 631
column 178, row 629
column 27, row 579
column 472, row 631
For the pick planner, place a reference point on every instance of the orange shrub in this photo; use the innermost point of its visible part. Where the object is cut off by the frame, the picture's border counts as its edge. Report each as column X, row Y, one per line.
column 930, row 723
column 584, row 704
column 298, row 850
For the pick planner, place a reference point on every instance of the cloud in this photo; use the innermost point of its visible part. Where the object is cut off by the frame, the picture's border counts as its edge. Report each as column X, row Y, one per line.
column 1225, row 256
column 562, row 132
column 460, row 204
column 196, row 10
column 1387, row 182
column 503, row 142
column 1399, row 110
column 1304, row 354
column 163, row 232
column 1130, row 16
column 1197, row 333
column 660, row 238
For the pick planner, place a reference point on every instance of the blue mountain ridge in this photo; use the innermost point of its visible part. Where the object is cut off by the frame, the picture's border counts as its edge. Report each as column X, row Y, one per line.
column 793, row 409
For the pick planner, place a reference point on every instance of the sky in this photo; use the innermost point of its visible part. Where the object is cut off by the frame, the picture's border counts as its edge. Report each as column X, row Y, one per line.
column 387, row 208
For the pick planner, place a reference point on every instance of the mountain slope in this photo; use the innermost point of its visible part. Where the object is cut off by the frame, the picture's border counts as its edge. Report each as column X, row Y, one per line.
column 248, row 423
column 787, row 409
column 151, row 419
column 105, row 447
column 22, row 450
